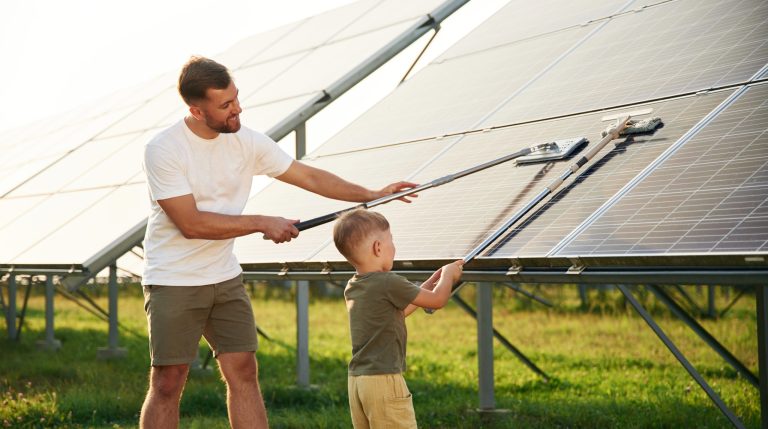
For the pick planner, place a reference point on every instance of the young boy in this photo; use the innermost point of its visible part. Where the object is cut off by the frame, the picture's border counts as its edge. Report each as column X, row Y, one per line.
column 378, row 302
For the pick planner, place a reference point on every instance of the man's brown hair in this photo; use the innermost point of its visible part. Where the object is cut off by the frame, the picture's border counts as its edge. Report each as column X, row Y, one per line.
column 355, row 226
column 200, row 74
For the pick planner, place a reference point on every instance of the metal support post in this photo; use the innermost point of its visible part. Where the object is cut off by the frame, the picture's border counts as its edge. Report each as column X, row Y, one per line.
column 485, row 345
column 762, row 350
column 523, row 358
column 113, row 351
column 49, row 343
column 10, row 311
column 703, row 334
column 584, row 296
column 301, row 140
column 682, row 359
column 302, row 333
column 711, row 311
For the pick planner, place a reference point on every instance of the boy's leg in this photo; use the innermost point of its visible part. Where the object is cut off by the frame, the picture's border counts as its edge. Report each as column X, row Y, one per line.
column 387, row 402
column 359, row 419
column 245, row 404
column 161, row 406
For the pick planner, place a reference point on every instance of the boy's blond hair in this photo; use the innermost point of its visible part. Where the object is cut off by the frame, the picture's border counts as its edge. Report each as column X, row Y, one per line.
column 355, row 226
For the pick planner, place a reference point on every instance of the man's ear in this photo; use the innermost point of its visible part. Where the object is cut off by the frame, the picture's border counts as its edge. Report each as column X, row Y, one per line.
column 196, row 112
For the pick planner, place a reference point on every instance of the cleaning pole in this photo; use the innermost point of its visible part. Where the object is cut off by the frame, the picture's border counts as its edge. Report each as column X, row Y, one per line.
column 624, row 125
column 548, row 151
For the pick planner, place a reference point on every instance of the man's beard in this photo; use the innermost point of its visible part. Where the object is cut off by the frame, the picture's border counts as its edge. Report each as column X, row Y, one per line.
column 224, row 127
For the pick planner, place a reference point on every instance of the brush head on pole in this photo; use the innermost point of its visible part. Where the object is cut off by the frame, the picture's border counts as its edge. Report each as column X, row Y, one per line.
column 641, row 126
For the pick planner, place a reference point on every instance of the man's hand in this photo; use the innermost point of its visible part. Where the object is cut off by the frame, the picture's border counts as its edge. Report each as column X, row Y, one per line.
column 278, row 229
column 395, row 188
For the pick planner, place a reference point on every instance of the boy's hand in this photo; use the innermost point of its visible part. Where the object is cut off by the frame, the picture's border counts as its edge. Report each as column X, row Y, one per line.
column 431, row 282
column 453, row 270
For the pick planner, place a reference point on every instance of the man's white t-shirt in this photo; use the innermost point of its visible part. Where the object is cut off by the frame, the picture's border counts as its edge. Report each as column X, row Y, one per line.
column 218, row 173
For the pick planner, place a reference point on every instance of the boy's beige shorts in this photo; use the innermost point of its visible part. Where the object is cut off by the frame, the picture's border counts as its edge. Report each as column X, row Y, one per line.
column 380, row 402
column 178, row 316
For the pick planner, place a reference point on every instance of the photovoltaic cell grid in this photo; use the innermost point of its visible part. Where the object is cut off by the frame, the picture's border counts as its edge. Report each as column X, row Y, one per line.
column 373, row 169
column 489, row 79
column 76, row 168
column 518, row 21
column 609, row 171
column 449, row 221
column 674, row 47
column 711, row 196
column 453, row 96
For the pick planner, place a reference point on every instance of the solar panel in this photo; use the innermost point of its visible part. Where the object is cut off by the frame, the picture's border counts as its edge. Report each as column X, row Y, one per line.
column 285, row 68
column 600, row 180
column 381, row 167
column 121, row 206
column 447, row 222
column 671, row 48
column 711, row 196
column 42, row 219
column 452, row 96
column 345, row 54
column 80, row 162
column 520, row 20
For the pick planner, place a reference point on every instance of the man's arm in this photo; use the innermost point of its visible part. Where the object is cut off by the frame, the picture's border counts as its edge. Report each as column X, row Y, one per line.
column 194, row 223
column 329, row 185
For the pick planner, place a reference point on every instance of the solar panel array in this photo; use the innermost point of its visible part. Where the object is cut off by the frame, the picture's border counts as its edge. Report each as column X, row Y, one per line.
column 526, row 77
column 709, row 196
column 73, row 185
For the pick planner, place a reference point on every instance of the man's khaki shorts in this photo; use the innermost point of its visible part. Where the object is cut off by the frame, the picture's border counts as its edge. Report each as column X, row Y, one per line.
column 380, row 401
column 177, row 316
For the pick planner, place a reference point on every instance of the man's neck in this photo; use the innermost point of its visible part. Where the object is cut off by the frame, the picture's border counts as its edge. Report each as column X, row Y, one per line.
column 199, row 128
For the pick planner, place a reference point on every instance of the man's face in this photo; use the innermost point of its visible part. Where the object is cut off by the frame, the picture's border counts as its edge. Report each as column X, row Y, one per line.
column 221, row 109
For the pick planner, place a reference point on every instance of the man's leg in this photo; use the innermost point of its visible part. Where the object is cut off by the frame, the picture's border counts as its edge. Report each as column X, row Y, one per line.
column 244, row 401
column 161, row 406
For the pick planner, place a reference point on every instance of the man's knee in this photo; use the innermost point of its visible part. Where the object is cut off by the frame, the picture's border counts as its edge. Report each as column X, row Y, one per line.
column 168, row 381
column 239, row 368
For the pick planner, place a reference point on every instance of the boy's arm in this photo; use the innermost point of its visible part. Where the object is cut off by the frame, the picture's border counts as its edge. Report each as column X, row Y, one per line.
column 429, row 284
column 437, row 298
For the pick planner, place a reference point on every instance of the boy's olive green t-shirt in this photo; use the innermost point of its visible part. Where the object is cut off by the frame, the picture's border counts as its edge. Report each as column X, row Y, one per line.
column 375, row 302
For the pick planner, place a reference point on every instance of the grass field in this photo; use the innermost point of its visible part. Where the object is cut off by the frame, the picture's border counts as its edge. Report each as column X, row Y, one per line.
column 609, row 369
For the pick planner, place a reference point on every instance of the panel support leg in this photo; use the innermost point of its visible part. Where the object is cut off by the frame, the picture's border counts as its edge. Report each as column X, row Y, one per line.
column 49, row 343
column 10, row 310
column 302, row 333
column 682, row 359
column 112, row 351
column 485, row 345
column 704, row 334
column 523, row 358
column 762, row 350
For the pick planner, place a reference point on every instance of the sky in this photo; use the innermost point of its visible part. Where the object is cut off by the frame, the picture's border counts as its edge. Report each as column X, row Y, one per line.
column 58, row 55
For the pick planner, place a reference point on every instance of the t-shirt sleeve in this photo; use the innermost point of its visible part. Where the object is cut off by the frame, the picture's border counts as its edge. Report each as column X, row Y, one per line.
column 400, row 291
column 165, row 174
column 267, row 157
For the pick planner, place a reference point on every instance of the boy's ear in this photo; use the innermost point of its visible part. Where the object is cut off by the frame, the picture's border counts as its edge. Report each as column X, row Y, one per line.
column 376, row 247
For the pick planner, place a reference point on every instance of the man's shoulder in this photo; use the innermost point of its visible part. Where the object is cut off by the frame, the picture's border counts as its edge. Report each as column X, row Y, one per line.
column 252, row 136
column 167, row 137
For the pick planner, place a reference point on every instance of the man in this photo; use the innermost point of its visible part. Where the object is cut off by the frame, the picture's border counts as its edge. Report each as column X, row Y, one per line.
column 199, row 174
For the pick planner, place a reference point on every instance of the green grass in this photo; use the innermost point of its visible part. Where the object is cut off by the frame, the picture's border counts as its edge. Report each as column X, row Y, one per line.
column 609, row 369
